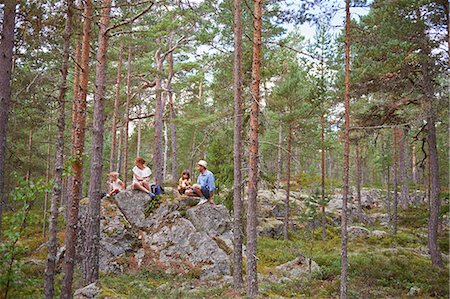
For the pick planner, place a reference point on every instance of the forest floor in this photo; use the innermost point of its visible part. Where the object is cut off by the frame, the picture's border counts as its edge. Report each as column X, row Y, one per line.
column 385, row 267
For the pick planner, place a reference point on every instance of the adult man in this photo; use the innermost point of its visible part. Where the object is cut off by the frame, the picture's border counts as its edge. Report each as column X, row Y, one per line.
column 205, row 184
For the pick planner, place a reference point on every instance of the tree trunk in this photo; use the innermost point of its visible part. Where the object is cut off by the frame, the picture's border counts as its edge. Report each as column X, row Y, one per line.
column 49, row 288
column 6, row 62
column 279, row 160
column 92, row 245
column 404, row 195
column 116, row 109
column 158, row 124
column 237, row 147
column 139, row 135
column 358, row 180
column 127, row 119
column 166, row 150
column 344, row 258
column 77, row 167
column 394, row 141
column 414, row 164
column 252, row 276
column 173, row 128
column 288, row 186
column 76, row 85
column 30, row 153
column 120, row 155
column 435, row 201
column 324, row 216
column 47, row 179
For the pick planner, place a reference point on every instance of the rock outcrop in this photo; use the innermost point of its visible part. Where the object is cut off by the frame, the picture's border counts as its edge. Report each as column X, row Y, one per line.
column 197, row 240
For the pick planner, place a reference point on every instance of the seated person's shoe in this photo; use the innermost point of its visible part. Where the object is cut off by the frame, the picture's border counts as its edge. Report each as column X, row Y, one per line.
column 152, row 195
column 202, row 201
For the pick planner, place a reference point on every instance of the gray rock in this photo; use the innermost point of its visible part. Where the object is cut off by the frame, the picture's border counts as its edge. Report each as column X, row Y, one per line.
column 379, row 234
column 358, row 231
column 133, row 204
column 413, row 291
column 180, row 248
column 270, row 227
column 298, row 267
column 90, row 291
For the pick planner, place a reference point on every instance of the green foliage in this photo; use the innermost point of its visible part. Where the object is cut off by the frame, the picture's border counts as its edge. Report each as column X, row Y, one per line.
column 12, row 250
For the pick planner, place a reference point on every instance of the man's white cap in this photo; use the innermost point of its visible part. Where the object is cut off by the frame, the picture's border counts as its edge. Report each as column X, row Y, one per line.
column 203, row 163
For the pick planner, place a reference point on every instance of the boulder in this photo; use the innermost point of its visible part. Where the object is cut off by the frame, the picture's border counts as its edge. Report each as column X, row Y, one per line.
column 132, row 203
column 358, row 231
column 270, row 227
column 90, row 291
column 297, row 267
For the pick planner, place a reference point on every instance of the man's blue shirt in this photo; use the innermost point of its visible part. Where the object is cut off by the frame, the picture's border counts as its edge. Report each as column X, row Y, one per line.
column 206, row 179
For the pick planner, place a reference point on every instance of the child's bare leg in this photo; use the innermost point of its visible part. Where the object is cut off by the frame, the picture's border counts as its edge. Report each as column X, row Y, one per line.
column 138, row 186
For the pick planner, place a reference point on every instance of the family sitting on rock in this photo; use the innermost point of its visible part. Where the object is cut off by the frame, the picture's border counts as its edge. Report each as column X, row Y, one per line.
column 141, row 181
column 205, row 184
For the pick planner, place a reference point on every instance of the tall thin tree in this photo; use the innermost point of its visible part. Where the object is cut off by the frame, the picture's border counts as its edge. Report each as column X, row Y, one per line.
column 173, row 127
column 127, row 119
column 158, row 121
column 252, row 275
column 237, row 184
column 288, row 185
column 92, row 245
column 344, row 258
column 49, row 283
column 113, row 155
column 324, row 217
column 6, row 62
column 395, row 178
column 77, row 167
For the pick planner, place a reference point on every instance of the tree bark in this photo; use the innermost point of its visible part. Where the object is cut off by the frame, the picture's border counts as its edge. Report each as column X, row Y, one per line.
column 344, row 258
column 414, row 164
column 252, row 275
column 6, row 63
column 30, row 153
column 324, row 216
column 77, row 167
column 116, row 109
column 434, row 189
column 49, row 288
column 404, row 195
column 120, row 154
column 127, row 119
column 173, row 128
column 158, row 122
column 279, row 160
column 394, row 141
column 237, row 146
column 288, row 186
column 358, row 180
column 47, row 179
column 166, row 150
column 92, row 245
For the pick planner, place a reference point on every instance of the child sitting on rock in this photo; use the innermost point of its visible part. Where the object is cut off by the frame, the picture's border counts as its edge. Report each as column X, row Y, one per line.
column 185, row 182
column 116, row 185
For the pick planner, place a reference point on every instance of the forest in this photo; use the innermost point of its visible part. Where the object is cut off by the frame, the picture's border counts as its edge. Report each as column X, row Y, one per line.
column 325, row 124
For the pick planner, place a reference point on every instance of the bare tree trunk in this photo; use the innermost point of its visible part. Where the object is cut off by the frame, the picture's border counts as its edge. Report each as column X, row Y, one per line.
column 77, row 167
column 237, row 146
column 288, row 187
column 158, row 124
column 404, row 195
column 166, row 150
column 47, row 179
column 49, row 288
column 252, row 275
column 127, row 119
column 6, row 64
column 138, row 143
column 414, row 164
column 435, row 201
column 120, row 155
column 394, row 141
column 116, row 109
column 344, row 258
column 76, row 85
column 173, row 128
column 30, row 153
column 279, row 160
column 324, row 216
column 92, row 245
column 358, row 179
